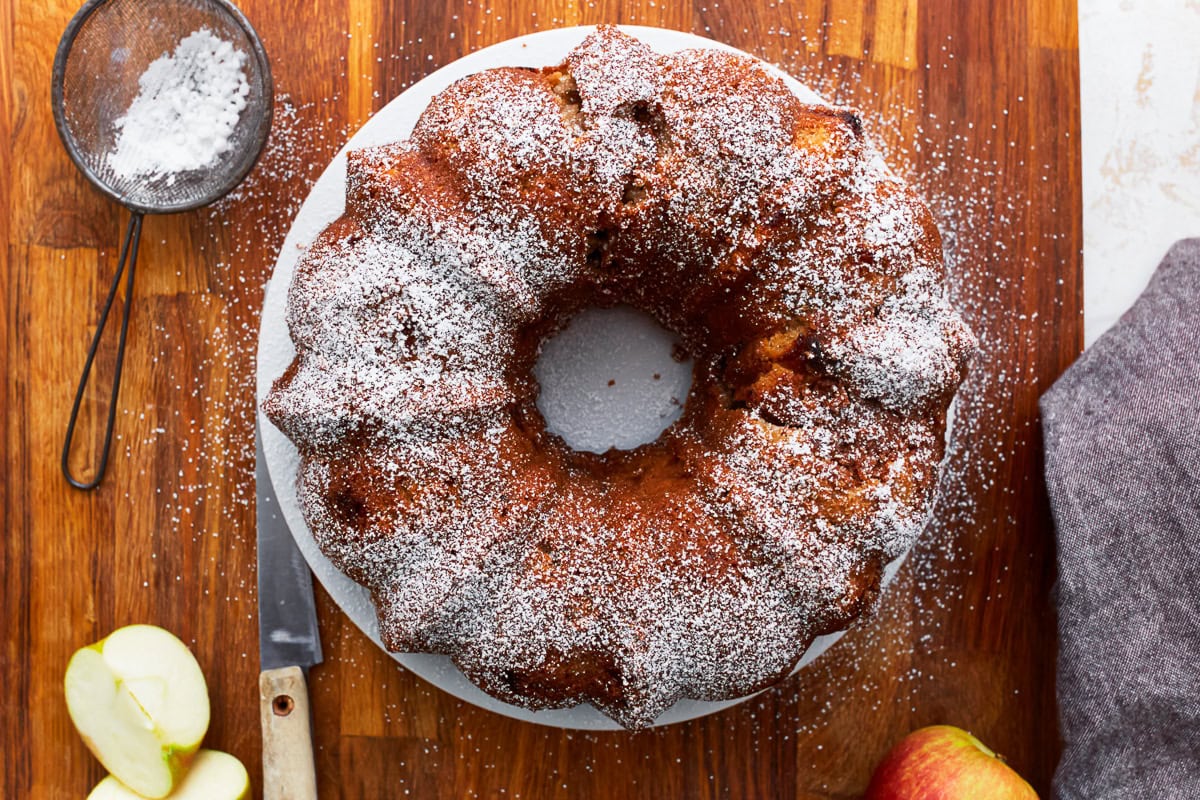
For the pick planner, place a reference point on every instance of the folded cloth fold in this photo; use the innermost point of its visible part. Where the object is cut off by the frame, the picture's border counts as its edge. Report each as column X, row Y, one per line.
column 1122, row 437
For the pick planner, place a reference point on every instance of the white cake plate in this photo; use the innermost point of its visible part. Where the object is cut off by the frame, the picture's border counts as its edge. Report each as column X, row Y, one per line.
column 326, row 203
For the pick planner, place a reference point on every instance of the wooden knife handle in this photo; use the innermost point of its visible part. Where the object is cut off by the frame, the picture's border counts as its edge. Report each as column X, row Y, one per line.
column 288, row 769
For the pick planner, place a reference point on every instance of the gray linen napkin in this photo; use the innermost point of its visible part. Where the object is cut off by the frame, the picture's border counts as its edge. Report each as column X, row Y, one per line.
column 1122, row 434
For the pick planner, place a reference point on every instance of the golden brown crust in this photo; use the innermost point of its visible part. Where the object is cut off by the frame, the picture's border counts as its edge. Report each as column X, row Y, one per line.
column 804, row 280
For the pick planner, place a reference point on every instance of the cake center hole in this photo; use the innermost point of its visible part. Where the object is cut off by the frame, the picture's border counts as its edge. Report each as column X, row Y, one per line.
column 611, row 378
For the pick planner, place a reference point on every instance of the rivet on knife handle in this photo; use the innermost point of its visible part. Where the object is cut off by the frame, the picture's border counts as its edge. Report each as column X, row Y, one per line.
column 288, row 769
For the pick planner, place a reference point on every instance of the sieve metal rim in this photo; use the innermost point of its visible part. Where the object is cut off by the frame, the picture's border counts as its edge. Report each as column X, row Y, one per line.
column 58, row 105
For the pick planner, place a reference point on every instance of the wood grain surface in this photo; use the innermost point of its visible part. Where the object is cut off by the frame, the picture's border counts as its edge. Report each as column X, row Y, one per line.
column 978, row 102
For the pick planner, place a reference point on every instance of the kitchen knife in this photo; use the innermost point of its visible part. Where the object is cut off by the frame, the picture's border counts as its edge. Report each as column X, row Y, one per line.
column 289, row 644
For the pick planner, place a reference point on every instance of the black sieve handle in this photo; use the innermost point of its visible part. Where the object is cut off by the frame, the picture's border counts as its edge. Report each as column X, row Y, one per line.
column 129, row 253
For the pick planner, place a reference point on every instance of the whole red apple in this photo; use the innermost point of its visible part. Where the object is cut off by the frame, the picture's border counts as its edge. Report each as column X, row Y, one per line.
column 942, row 762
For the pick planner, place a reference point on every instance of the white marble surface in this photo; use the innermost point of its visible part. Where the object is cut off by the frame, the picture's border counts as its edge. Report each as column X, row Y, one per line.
column 1140, row 88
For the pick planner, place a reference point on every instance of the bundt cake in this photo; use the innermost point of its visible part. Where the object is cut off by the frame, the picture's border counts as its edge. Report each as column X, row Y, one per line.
column 803, row 278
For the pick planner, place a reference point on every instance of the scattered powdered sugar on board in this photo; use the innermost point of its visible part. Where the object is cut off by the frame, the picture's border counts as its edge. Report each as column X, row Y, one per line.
column 255, row 218
column 185, row 112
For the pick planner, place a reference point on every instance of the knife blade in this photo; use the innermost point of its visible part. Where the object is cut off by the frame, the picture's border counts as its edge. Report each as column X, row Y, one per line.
column 289, row 644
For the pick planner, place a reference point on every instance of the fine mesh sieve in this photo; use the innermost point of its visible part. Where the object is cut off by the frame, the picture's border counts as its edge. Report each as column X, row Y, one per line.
column 105, row 50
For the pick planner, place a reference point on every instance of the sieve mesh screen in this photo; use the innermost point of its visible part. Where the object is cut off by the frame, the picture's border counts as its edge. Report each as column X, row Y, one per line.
column 96, row 80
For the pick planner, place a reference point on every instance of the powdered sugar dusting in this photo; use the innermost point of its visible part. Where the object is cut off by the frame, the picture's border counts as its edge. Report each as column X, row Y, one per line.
column 800, row 274
column 185, row 112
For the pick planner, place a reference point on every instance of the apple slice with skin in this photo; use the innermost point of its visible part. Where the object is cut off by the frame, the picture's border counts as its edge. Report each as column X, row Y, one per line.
column 213, row 776
column 942, row 762
column 139, row 700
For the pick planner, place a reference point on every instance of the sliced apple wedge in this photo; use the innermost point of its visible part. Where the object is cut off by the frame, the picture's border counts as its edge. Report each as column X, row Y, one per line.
column 140, row 703
column 213, row 776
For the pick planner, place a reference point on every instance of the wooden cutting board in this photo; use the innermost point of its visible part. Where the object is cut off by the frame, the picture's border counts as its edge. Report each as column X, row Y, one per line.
column 978, row 102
